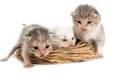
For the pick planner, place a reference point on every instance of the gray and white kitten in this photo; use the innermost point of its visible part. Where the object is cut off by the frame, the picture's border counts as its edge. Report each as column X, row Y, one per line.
column 33, row 39
column 62, row 37
column 87, row 25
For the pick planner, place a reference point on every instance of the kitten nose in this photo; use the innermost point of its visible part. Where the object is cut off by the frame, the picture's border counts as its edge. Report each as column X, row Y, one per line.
column 71, row 44
column 83, row 28
column 42, row 53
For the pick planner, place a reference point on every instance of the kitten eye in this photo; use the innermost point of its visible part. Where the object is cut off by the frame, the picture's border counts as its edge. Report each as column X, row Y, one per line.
column 96, row 12
column 89, row 22
column 72, row 38
column 79, row 22
column 36, row 47
column 47, row 46
column 28, row 35
column 64, row 40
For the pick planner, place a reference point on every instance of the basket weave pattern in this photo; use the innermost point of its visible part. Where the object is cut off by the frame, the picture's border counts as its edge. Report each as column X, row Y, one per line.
column 81, row 52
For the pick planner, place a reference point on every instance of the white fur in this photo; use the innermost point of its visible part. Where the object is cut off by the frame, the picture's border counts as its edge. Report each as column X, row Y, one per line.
column 59, row 33
column 96, row 34
column 92, row 34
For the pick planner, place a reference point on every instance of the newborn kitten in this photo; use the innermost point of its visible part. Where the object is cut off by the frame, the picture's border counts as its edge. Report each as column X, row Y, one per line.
column 33, row 39
column 87, row 25
column 62, row 37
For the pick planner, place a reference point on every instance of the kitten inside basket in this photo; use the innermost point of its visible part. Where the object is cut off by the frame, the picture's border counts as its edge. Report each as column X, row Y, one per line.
column 62, row 37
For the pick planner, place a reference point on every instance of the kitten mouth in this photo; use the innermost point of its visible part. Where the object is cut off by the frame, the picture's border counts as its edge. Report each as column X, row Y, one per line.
column 42, row 56
column 84, row 29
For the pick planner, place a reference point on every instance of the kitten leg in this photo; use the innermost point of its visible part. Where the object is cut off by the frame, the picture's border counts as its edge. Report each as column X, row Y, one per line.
column 97, row 45
column 17, row 45
column 25, row 55
column 100, row 44
column 94, row 45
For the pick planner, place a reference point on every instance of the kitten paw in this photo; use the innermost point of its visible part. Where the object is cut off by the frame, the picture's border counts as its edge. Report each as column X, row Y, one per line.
column 28, row 65
column 3, row 60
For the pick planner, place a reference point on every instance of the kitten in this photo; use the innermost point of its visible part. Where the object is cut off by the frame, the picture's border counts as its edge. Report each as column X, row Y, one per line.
column 87, row 25
column 62, row 37
column 33, row 39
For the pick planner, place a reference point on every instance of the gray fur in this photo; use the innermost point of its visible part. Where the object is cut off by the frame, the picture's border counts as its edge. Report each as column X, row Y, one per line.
column 87, row 17
column 32, row 35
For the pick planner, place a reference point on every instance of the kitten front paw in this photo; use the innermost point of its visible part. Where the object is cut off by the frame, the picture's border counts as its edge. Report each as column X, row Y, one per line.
column 28, row 65
column 3, row 60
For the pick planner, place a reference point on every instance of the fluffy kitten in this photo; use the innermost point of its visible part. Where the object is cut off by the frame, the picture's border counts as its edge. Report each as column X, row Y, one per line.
column 62, row 37
column 87, row 25
column 33, row 39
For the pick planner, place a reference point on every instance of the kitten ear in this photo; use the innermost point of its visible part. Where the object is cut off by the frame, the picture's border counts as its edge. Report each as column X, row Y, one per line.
column 96, row 13
column 25, row 26
column 52, row 34
column 28, row 37
column 73, row 14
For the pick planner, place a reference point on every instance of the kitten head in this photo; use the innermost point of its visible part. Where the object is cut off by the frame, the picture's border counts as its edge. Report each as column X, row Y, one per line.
column 85, row 18
column 39, row 42
column 63, row 37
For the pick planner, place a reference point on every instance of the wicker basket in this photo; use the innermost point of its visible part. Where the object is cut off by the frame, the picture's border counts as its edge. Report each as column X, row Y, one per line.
column 81, row 52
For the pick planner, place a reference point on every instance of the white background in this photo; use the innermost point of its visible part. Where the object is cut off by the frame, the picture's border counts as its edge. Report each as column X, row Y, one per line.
column 52, row 13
